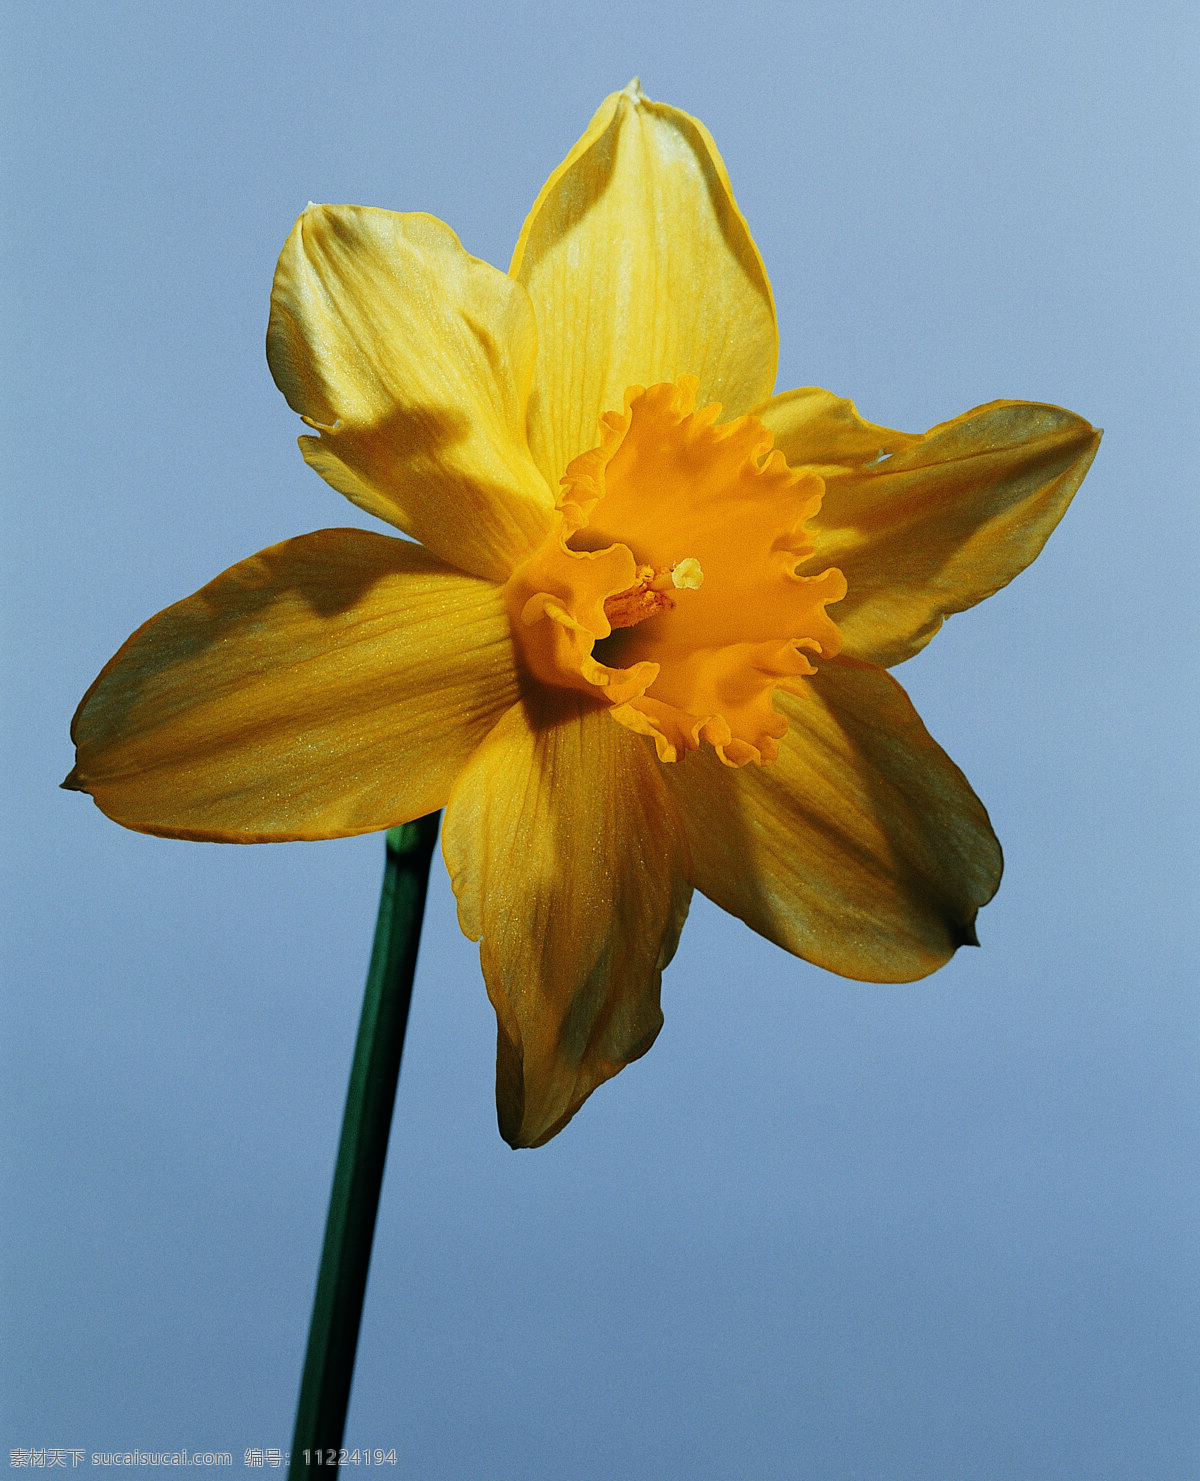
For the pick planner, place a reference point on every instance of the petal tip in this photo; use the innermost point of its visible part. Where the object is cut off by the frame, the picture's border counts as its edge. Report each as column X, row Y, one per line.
column 966, row 934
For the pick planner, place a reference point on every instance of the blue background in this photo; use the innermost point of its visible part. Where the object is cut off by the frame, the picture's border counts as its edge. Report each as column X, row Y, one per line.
column 823, row 1230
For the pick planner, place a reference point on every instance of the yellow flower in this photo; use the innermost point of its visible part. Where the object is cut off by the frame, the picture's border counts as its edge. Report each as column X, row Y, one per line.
column 609, row 657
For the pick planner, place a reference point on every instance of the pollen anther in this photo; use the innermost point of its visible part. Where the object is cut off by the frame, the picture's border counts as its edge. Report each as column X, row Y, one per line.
column 651, row 592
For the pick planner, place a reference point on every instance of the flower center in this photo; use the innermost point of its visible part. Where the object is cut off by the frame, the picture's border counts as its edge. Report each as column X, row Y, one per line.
column 706, row 636
column 651, row 592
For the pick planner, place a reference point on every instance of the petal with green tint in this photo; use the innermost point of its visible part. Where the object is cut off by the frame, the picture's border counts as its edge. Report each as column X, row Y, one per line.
column 926, row 525
column 861, row 848
column 568, row 860
column 641, row 269
column 334, row 684
column 413, row 361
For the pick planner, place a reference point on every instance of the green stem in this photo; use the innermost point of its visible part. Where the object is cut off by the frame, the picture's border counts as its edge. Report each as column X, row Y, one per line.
column 362, row 1152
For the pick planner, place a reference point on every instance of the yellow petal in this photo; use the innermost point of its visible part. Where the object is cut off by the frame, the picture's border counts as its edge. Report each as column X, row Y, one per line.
column 568, row 860
column 641, row 269
column 861, row 848
column 816, row 429
column 413, row 361
column 330, row 685
column 926, row 525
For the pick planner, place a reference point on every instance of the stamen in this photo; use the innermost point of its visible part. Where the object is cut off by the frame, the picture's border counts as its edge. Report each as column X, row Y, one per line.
column 651, row 592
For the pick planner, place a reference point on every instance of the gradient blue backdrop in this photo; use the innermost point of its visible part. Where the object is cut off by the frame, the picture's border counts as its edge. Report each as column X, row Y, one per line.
column 823, row 1230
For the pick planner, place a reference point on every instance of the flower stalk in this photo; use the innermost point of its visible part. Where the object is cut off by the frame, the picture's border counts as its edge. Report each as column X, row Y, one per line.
column 362, row 1153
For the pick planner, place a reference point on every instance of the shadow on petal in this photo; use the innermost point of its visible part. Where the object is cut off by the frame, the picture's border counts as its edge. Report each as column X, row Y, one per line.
column 861, row 848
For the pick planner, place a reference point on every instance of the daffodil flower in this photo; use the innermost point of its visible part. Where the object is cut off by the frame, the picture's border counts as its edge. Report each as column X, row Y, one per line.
column 637, row 640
